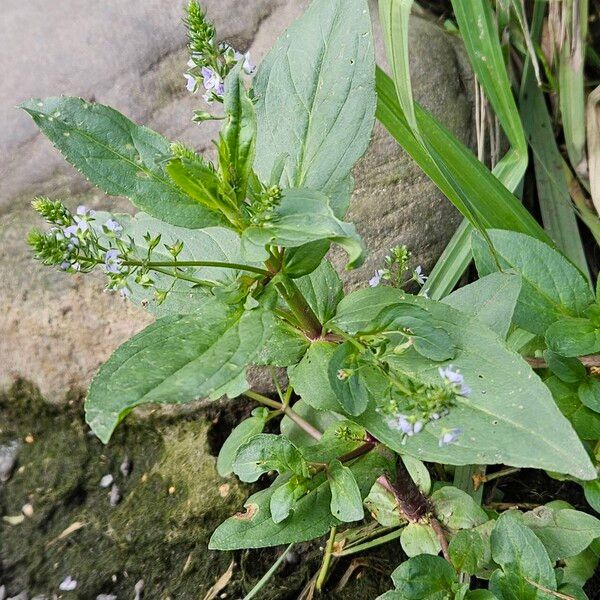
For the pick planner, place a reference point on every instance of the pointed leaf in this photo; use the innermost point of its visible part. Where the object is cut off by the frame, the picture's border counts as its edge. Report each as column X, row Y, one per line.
column 120, row 157
column 316, row 98
column 346, row 500
column 177, row 359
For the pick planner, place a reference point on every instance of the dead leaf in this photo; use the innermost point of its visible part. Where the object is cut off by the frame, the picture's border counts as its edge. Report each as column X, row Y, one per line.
column 72, row 528
column 593, row 140
column 221, row 583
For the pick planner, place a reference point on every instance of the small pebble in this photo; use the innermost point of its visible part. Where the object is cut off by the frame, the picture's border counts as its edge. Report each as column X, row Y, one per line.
column 106, row 481
column 41, row 597
column 68, row 584
column 21, row 596
column 292, row 558
column 138, row 589
column 8, row 459
column 115, row 495
column 106, row 597
column 171, row 490
column 125, row 467
column 2, row 592
column 29, row 439
column 27, row 510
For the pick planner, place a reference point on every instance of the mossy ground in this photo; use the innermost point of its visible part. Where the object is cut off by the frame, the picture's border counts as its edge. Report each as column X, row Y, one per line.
column 171, row 502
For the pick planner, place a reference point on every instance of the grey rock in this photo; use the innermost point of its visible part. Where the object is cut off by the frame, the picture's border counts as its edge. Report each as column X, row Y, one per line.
column 57, row 330
column 20, row 596
column 126, row 467
column 2, row 592
column 139, row 589
column 8, row 459
column 106, row 597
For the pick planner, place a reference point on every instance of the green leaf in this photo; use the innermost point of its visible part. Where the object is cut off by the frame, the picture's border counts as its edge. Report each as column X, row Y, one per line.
column 521, row 555
column 589, row 393
column 418, row 473
column 586, row 422
column 321, row 419
column 339, row 438
column 573, row 337
column 383, row 506
column 567, row 369
column 177, row 359
column 197, row 179
column 311, row 517
column 464, row 178
column 268, row 452
column 456, row 509
column 304, row 259
column 303, row 216
column 495, row 430
column 310, row 377
column 578, row 569
column 318, row 113
column 403, row 322
column 282, row 501
column 322, row 289
column 118, row 156
column 238, row 136
column 419, row 538
column 346, row 500
column 491, row 299
column 591, row 489
column 552, row 288
column 285, row 347
column 470, row 549
column 243, row 432
column 210, row 244
column 564, row 532
column 424, row 577
column 346, row 377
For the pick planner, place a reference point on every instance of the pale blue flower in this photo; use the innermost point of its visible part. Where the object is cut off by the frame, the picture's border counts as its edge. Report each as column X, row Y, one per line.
column 124, row 292
column 248, row 66
column 376, row 279
column 113, row 261
column 454, row 378
column 113, row 226
column 449, row 436
column 191, row 82
column 210, row 78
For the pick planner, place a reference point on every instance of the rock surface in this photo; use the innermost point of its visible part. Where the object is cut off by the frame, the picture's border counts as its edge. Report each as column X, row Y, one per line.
column 56, row 330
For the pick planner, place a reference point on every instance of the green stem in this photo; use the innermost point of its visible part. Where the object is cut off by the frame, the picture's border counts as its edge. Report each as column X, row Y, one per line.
column 326, row 560
column 265, row 578
column 384, row 539
column 300, row 307
column 196, row 263
column 286, row 410
column 177, row 275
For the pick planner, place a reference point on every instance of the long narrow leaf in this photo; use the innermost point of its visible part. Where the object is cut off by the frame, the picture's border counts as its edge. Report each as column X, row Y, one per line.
column 558, row 214
column 495, row 206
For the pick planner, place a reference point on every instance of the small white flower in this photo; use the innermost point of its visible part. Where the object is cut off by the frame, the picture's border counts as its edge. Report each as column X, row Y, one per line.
column 113, row 261
column 68, row 584
column 248, row 66
column 449, row 437
column 113, row 226
column 419, row 275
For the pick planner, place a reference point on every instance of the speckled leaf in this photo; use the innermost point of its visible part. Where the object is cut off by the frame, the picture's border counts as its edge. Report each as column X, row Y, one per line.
column 318, row 113
column 177, row 359
column 491, row 299
column 311, row 517
column 120, row 157
column 506, row 418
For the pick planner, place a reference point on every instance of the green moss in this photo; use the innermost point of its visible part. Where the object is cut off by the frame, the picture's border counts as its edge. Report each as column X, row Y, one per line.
column 172, row 501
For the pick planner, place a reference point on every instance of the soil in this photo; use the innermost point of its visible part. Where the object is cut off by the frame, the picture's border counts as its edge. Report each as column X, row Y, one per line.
column 171, row 501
